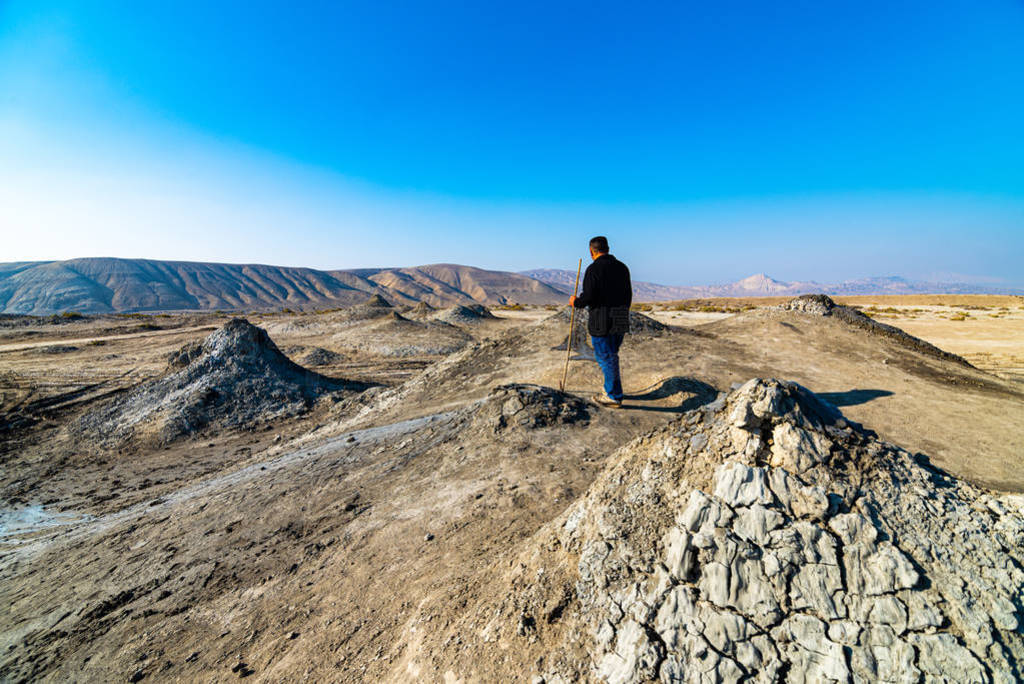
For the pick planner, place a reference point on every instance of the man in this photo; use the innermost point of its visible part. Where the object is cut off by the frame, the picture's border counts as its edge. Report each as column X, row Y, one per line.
column 608, row 292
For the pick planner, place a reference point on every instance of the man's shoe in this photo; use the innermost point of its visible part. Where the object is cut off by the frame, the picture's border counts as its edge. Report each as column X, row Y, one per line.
column 605, row 400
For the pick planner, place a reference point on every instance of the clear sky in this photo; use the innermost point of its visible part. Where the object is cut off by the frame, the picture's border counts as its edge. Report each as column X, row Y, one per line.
column 809, row 140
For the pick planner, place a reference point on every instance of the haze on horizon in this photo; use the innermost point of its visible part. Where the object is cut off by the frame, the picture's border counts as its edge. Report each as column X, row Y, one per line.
column 811, row 142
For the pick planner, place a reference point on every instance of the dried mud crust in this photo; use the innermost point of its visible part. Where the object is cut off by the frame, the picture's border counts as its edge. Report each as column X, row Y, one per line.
column 234, row 377
column 822, row 305
column 766, row 538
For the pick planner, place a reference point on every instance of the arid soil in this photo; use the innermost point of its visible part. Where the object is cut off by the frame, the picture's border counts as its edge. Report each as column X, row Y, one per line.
column 364, row 535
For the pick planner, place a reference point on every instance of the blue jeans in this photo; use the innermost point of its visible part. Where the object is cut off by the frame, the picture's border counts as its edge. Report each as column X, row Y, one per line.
column 606, row 349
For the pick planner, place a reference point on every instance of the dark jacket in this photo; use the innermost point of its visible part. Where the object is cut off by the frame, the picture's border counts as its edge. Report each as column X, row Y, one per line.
column 608, row 292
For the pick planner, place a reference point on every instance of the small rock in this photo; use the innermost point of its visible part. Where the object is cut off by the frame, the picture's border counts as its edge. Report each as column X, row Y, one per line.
column 428, row 537
column 242, row 669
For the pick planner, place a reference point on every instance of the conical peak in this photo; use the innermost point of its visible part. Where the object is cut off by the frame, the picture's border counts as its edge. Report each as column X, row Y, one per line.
column 239, row 338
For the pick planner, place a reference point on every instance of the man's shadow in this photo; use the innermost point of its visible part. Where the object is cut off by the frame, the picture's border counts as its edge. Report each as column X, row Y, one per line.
column 700, row 393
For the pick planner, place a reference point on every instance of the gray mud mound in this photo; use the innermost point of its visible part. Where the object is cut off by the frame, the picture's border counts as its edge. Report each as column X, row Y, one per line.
column 394, row 335
column 530, row 406
column 318, row 356
column 762, row 538
column 464, row 315
column 645, row 326
column 234, row 377
column 582, row 350
column 822, row 305
column 639, row 324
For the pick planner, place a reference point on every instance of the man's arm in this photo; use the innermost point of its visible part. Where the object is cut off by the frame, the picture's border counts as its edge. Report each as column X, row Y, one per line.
column 586, row 297
column 629, row 289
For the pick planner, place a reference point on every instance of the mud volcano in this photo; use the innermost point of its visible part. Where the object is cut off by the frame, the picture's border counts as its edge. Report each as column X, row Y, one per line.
column 464, row 315
column 318, row 356
column 374, row 307
column 419, row 311
column 761, row 538
column 235, row 377
column 639, row 326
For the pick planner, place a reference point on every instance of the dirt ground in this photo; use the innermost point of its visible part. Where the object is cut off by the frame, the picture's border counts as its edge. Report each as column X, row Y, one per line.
column 304, row 547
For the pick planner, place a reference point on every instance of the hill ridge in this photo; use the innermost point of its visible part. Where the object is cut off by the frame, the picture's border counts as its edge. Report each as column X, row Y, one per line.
column 116, row 285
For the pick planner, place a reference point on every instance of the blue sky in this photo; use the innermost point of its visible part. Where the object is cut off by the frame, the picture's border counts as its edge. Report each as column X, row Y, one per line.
column 709, row 141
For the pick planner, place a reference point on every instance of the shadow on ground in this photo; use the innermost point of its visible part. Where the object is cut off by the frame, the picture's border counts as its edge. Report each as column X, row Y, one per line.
column 700, row 393
column 854, row 396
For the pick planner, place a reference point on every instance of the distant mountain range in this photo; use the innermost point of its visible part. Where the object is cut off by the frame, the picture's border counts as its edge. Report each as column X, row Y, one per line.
column 105, row 285
column 761, row 285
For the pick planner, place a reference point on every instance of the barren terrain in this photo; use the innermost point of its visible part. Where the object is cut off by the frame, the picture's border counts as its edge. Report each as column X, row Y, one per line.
column 405, row 518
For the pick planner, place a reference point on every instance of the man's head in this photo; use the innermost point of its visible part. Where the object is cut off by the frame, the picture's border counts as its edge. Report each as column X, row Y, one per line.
column 598, row 246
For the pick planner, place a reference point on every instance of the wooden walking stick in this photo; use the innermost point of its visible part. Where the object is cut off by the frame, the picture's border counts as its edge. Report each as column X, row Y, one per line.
column 572, row 319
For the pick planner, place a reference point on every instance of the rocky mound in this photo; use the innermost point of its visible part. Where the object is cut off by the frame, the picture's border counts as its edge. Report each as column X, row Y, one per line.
column 582, row 350
column 234, row 377
column 464, row 315
column 761, row 538
column 822, row 305
column 645, row 326
column 530, row 406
